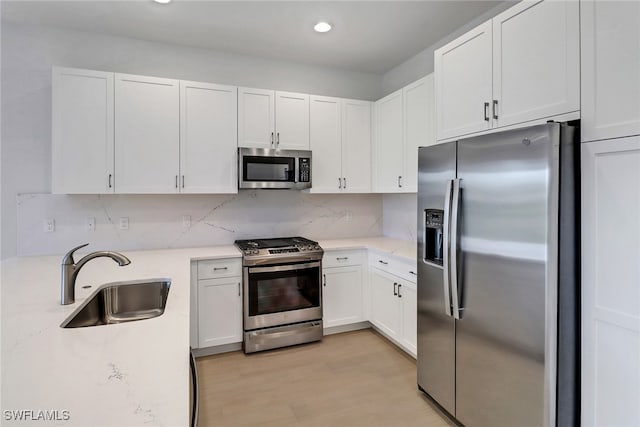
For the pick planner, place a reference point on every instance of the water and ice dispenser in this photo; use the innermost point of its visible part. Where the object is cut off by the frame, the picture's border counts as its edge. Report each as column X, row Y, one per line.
column 433, row 237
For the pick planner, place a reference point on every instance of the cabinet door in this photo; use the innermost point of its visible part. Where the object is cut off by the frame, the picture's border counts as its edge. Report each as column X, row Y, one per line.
column 536, row 61
column 419, row 111
column 208, row 138
column 82, row 131
column 611, row 283
column 342, row 296
column 388, row 144
column 256, row 118
column 409, row 338
column 219, row 311
column 385, row 304
column 325, row 144
column 610, row 69
column 147, row 140
column 356, row 146
column 463, row 84
column 292, row 121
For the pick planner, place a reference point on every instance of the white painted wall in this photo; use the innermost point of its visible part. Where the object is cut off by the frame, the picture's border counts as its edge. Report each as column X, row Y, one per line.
column 421, row 64
column 29, row 52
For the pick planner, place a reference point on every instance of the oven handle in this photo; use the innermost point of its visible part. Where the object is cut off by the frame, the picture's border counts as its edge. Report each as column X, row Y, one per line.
column 291, row 267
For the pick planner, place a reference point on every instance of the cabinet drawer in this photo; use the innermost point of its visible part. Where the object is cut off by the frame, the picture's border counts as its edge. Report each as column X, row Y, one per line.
column 213, row 268
column 342, row 258
column 401, row 267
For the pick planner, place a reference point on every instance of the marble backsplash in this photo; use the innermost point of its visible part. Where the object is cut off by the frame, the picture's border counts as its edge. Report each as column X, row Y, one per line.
column 156, row 221
column 400, row 216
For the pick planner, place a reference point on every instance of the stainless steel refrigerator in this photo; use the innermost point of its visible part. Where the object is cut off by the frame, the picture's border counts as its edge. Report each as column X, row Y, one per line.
column 498, row 276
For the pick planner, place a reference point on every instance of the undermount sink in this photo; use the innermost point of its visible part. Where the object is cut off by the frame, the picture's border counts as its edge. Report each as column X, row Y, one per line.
column 120, row 302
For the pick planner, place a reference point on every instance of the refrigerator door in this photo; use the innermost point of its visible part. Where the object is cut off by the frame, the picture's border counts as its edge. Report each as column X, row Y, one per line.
column 436, row 328
column 507, row 199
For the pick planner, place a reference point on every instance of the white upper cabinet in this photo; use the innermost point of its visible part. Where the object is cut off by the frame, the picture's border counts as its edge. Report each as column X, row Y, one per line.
column 404, row 120
column 419, row 127
column 356, row 146
column 463, row 83
column 340, row 135
column 292, row 121
column 388, row 144
column 610, row 69
column 146, row 134
column 521, row 66
column 326, row 144
column 208, row 138
column 536, row 61
column 274, row 120
column 82, row 131
column 256, row 118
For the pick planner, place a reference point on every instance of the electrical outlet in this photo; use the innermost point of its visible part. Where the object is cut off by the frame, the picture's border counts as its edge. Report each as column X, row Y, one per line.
column 49, row 225
column 123, row 223
column 349, row 215
column 186, row 221
column 91, row 223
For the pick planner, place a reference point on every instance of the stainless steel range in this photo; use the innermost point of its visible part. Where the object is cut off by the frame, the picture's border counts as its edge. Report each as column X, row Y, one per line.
column 282, row 292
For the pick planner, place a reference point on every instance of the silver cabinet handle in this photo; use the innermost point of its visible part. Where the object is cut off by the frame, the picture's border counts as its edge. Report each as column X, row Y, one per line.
column 383, row 262
column 110, row 180
column 395, row 291
column 324, row 277
column 399, row 295
column 182, row 181
column 495, row 109
column 399, row 182
column 238, row 288
column 271, row 138
column 277, row 139
column 176, row 181
column 219, row 268
column 413, row 272
column 453, row 243
column 339, row 183
column 486, row 111
column 345, row 182
column 445, row 251
column 341, row 258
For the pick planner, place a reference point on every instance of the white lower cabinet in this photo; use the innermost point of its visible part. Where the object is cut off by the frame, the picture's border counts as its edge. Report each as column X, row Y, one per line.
column 611, row 283
column 219, row 303
column 342, row 288
column 393, row 308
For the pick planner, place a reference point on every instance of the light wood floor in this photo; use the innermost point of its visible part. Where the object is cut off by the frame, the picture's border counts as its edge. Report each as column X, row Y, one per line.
column 350, row 379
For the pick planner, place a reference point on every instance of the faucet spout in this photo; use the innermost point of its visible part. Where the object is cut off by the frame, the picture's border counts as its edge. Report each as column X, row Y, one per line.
column 70, row 270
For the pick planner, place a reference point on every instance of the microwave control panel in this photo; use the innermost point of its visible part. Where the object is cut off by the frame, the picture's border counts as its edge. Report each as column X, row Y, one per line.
column 305, row 169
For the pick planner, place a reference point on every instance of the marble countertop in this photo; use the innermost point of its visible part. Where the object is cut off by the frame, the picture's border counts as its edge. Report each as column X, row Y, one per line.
column 129, row 374
column 402, row 248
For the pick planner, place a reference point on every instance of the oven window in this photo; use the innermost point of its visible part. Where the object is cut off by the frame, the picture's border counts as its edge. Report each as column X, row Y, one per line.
column 269, row 168
column 275, row 292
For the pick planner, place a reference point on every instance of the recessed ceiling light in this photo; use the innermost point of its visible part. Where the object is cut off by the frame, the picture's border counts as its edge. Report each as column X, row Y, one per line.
column 322, row 27
column 162, row 1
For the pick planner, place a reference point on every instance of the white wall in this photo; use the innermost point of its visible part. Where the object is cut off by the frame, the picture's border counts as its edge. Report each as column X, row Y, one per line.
column 399, row 216
column 29, row 52
column 421, row 64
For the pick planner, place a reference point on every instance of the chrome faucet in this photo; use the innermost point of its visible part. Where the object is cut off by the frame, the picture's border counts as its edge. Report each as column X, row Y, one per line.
column 70, row 270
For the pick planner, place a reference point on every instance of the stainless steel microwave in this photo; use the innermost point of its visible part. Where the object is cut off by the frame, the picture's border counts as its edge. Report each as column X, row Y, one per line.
column 274, row 169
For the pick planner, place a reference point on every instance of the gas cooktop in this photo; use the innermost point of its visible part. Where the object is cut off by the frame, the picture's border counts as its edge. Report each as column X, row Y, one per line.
column 278, row 247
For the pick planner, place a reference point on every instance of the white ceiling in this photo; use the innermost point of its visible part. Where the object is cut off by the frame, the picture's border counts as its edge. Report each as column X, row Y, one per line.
column 368, row 36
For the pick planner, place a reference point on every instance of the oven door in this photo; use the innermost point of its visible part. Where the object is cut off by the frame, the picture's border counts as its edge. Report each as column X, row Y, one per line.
column 282, row 294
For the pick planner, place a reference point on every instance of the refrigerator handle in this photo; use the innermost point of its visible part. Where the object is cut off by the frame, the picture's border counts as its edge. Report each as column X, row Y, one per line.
column 445, row 251
column 453, row 245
